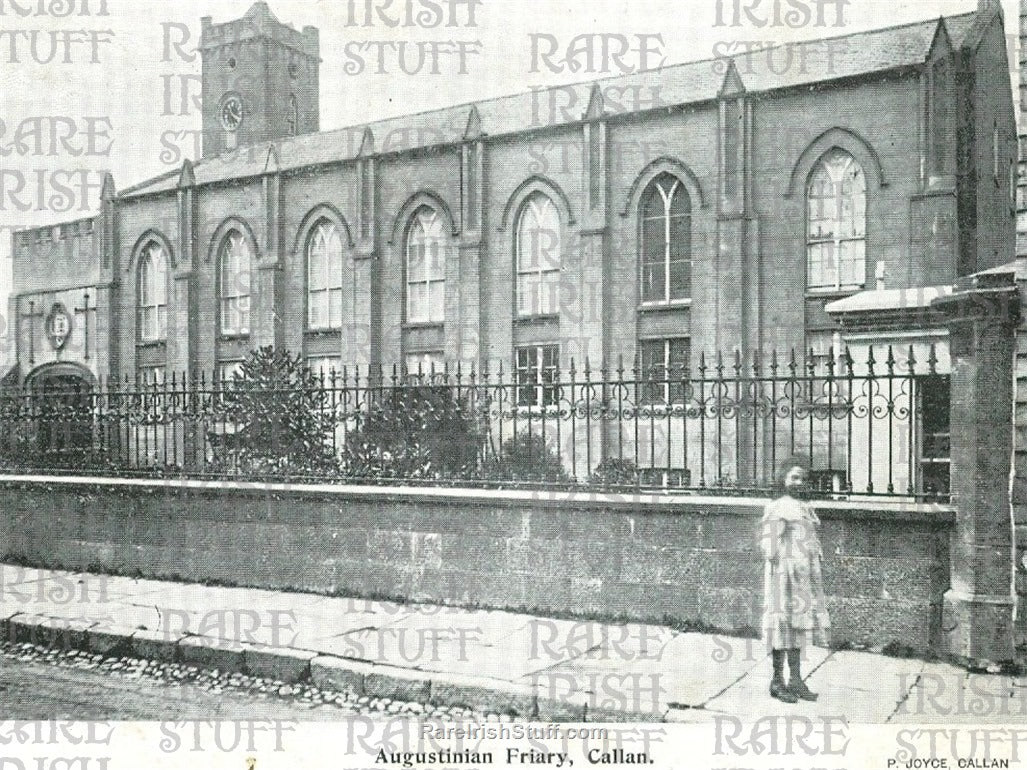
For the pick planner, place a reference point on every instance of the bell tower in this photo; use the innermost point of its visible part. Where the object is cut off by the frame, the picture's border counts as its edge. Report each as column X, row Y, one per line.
column 260, row 80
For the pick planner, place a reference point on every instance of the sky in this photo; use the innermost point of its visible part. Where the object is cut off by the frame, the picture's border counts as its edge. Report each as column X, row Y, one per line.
column 115, row 81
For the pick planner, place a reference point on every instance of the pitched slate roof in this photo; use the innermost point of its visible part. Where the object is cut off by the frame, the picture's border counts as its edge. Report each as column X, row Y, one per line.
column 812, row 62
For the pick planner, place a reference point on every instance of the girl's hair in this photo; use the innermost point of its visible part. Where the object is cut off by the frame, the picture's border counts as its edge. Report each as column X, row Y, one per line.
column 795, row 461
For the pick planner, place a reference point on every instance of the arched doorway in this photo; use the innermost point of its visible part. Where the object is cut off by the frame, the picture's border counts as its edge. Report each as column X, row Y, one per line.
column 62, row 409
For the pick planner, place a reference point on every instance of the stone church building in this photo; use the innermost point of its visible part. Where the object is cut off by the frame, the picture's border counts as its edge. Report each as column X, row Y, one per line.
column 722, row 205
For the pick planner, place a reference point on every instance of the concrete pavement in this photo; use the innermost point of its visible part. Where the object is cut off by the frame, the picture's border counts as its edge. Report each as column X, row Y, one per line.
column 489, row 661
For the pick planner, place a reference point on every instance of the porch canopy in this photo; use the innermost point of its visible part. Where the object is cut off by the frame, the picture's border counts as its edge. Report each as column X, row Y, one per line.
column 901, row 320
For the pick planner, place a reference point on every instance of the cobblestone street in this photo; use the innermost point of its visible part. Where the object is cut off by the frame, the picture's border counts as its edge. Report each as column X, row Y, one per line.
column 43, row 684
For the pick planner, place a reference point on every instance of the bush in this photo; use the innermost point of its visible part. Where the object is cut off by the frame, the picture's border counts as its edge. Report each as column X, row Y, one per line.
column 19, row 445
column 421, row 432
column 615, row 472
column 281, row 417
column 526, row 457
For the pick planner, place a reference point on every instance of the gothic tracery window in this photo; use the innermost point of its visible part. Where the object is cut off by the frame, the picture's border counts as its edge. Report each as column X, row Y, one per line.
column 234, row 284
column 666, row 216
column 324, row 277
column 539, row 257
column 153, row 294
column 427, row 244
column 836, row 223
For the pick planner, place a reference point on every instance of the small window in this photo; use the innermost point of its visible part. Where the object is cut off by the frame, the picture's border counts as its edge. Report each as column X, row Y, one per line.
column 821, row 348
column 995, row 144
column 425, row 367
column 235, row 285
column 663, row 366
column 1013, row 168
column 427, row 244
column 327, row 369
column 152, row 294
column 537, row 371
column 151, row 376
column 822, row 369
column 226, row 372
column 539, row 257
column 292, row 118
column 152, row 381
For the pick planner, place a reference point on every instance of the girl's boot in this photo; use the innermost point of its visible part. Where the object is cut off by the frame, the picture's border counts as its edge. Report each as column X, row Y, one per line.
column 778, row 688
column 795, row 683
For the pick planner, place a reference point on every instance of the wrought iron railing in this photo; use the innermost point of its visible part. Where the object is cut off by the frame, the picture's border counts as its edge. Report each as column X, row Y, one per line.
column 878, row 427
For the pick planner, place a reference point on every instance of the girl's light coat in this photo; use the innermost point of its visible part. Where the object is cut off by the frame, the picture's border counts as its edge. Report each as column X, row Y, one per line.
column 794, row 610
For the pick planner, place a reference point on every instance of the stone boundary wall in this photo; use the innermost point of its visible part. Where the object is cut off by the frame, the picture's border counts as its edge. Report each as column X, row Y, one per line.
column 676, row 559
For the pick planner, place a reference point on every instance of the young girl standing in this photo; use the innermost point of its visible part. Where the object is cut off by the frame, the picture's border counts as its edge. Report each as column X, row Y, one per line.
column 794, row 612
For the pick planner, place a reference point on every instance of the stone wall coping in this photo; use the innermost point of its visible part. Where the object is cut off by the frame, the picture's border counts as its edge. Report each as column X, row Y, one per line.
column 642, row 503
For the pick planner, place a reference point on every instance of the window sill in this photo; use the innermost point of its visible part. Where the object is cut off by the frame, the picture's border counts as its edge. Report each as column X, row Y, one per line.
column 656, row 307
column 832, row 293
column 424, row 325
column 326, row 332
column 229, row 337
column 151, row 344
column 537, row 319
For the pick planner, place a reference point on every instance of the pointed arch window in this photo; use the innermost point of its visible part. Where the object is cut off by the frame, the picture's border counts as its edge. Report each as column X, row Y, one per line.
column 153, row 294
column 539, row 257
column 234, row 284
column 427, row 247
column 942, row 118
column 837, row 223
column 324, row 277
column 666, row 218
column 292, row 118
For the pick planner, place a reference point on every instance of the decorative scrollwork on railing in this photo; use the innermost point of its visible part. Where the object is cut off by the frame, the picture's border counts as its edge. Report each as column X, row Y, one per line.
column 722, row 424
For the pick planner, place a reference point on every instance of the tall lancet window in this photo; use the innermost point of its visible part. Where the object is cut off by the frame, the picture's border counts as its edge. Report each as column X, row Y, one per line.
column 836, row 241
column 234, row 284
column 666, row 216
column 427, row 244
column 153, row 294
column 539, row 257
column 324, row 277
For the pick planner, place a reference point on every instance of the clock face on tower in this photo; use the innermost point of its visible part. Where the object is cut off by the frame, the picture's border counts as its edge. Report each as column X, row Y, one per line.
column 231, row 112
